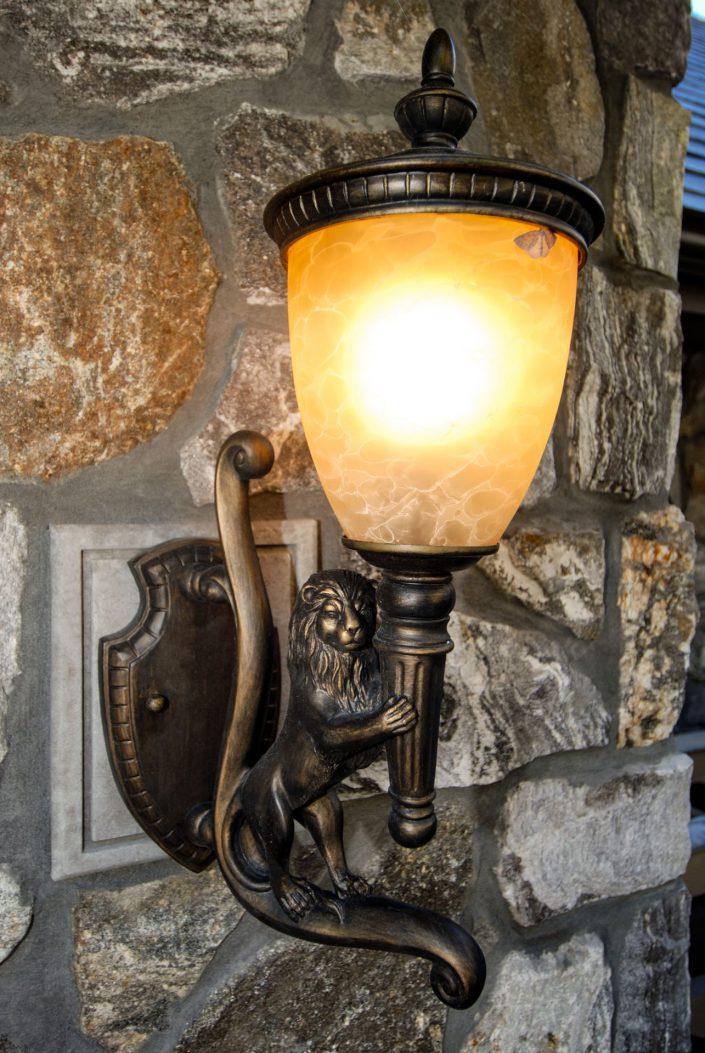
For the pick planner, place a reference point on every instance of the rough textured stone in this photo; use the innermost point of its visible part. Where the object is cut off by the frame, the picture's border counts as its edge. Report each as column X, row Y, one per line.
column 691, row 447
column 648, row 189
column 5, row 93
column 509, row 696
column 106, row 286
column 263, row 150
column 340, row 1000
column 623, row 387
column 658, row 614
column 8, row 1047
column 648, row 39
column 536, row 86
column 380, row 39
column 15, row 911
column 13, row 559
column 139, row 950
column 559, row 573
column 653, row 1008
column 259, row 395
column 557, row 1002
column 697, row 648
column 132, row 52
column 544, row 482
column 563, row 845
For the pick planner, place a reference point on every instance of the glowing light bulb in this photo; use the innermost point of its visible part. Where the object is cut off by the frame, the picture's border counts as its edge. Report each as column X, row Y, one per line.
column 427, row 368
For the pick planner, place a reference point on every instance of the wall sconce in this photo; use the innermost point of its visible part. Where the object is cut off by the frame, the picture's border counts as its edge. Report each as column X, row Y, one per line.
column 431, row 301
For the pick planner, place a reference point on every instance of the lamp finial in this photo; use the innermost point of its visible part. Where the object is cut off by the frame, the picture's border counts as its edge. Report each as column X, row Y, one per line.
column 436, row 114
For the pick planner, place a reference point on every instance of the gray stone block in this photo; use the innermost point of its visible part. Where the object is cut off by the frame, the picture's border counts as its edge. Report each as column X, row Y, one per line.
column 15, row 911
column 170, row 927
column 653, row 1005
column 558, row 572
column 262, row 150
column 134, row 52
column 13, row 559
column 379, row 39
column 510, row 696
column 563, row 845
column 648, row 189
column 623, row 384
column 650, row 39
column 351, row 1001
column 556, row 1002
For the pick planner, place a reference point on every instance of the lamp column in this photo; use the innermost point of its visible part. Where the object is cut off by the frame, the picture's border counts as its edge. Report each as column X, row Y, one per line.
column 412, row 642
column 414, row 602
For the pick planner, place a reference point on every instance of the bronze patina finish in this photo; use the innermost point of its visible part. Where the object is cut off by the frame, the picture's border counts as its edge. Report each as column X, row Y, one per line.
column 414, row 601
column 337, row 719
column 434, row 176
column 190, row 687
column 166, row 681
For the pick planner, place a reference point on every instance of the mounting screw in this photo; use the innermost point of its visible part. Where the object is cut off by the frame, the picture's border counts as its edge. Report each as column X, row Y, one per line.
column 156, row 703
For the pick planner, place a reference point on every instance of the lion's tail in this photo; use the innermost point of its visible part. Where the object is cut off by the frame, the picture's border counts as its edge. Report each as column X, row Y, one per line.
column 458, row 972
column 375, row 922
column 244, row 456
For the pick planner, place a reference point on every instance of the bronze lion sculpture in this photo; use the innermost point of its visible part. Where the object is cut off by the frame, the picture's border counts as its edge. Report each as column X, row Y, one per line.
column 334, row 724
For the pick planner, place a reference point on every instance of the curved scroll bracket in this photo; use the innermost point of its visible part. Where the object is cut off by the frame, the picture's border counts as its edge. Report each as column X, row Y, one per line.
column 336, row 718
column 191, row 713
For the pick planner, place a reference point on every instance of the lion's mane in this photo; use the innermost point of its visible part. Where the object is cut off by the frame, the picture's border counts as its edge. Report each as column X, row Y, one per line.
column 344, row 677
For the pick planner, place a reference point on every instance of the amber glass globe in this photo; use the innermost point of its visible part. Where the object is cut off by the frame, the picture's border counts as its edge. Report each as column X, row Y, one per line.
column 429, row 351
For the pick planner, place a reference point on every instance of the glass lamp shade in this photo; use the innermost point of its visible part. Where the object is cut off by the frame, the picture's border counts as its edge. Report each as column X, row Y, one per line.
column 429, row 351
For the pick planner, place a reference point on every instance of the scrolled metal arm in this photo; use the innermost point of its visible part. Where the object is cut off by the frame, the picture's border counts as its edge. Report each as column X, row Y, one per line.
column 255, row 807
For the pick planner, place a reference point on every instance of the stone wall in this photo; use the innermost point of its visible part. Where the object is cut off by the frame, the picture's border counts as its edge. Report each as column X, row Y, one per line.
column 143, row 318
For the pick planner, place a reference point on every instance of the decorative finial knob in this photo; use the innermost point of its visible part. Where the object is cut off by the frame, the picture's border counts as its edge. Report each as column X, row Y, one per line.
column 438, row 61
column 436, row 114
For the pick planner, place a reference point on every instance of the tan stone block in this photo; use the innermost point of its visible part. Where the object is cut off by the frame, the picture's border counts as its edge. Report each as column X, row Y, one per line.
column 382, row 39
column 263, row 150
column 533, row 74
column 107, row 282
column 658, row 615
column 259, row 395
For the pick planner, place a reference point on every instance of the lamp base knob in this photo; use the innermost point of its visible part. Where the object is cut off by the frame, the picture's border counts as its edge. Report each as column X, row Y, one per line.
column 412, row 823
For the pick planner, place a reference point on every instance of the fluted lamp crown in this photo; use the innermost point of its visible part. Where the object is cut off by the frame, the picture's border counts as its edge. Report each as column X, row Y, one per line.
column 431, row 302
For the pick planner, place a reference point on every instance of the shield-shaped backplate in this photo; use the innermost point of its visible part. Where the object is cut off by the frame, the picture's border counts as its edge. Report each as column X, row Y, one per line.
column 166, row 683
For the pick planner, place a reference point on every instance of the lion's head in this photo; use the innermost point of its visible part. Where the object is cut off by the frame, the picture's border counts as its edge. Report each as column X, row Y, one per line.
column 330, row 635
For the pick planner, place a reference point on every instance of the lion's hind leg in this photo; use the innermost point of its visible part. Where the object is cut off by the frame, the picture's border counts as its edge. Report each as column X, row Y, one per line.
column 270, row 818
column 323, row 819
